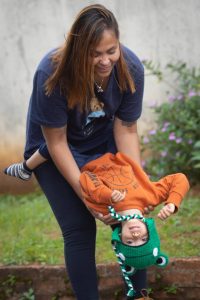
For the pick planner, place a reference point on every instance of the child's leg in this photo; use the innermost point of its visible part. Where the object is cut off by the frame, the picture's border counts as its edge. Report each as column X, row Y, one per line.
column 24, row 169
column 35, row 160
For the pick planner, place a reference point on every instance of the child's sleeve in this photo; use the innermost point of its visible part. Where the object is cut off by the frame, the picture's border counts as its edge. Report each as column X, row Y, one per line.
column 93, row 188
column 172, row 188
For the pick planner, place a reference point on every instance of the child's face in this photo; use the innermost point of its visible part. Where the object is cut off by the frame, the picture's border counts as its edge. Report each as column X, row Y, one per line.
column 134, row 233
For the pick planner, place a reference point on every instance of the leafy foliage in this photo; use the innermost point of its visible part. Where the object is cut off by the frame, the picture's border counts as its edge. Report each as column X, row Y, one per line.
column 173, row 144
column 29, row 295
column 196, row 155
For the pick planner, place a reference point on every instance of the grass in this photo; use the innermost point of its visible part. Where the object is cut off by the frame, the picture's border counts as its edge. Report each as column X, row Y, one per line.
column 30, row 234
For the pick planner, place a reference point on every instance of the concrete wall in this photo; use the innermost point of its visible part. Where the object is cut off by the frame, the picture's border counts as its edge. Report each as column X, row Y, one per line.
column 161, row 30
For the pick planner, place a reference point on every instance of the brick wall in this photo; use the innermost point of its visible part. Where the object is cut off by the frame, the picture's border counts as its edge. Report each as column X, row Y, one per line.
column 179, row 280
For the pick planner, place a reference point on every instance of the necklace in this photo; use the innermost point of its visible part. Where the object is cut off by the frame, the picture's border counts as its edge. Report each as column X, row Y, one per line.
column 99, row 87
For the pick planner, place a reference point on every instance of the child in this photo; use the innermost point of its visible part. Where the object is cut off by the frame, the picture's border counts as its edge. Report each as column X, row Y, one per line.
column 116, row 183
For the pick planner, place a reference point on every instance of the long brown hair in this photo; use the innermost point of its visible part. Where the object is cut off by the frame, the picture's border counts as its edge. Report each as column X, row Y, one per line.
column 73, row 70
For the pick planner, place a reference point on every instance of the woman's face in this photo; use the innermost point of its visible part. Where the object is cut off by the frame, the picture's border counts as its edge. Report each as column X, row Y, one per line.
column 105, row 55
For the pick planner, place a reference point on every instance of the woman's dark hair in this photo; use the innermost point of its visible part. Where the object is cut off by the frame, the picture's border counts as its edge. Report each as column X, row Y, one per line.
column 73, row 70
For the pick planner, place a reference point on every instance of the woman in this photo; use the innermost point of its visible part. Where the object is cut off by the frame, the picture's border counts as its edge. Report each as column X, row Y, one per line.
column 86, row 99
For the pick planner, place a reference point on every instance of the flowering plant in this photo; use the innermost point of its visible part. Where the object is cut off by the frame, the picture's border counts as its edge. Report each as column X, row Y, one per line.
column 172, row 145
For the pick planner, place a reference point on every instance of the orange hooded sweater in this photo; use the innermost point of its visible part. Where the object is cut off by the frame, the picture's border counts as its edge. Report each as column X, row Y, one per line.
column 118, row 172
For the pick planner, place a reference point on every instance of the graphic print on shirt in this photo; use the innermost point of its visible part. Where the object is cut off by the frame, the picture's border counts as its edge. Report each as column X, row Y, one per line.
column 96, row 111
column 119, row 178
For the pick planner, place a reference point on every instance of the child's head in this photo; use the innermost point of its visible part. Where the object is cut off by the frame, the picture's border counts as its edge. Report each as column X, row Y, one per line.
column 136, row 244
column 134, row 232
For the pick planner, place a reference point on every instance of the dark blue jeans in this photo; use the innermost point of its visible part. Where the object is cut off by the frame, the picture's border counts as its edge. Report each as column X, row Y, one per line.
column 79, row 233
column 78, row 229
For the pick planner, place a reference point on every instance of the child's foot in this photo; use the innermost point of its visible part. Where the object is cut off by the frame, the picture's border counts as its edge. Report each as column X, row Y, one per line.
column 19, row 170
column 145, row 295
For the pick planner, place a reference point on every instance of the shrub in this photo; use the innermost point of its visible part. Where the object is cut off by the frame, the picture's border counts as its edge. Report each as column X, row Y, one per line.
column 173, row 144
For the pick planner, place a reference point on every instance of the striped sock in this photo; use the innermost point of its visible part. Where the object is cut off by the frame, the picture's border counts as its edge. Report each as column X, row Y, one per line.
column 18, row 170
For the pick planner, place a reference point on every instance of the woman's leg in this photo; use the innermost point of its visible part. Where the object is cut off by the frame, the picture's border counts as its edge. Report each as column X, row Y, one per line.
column 78, row 228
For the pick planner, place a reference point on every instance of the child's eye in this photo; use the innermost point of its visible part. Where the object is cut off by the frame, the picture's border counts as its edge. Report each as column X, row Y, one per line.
column 144, row 239
column 129, row 242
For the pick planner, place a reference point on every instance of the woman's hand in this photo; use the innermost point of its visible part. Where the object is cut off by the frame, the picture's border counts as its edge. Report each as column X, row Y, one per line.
column 106, row 219
column 166, row 211
column 148, row 209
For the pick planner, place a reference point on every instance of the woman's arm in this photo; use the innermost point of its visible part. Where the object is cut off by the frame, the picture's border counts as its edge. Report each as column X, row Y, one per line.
column 127, row 142
column 56, row 139
column 126, row 139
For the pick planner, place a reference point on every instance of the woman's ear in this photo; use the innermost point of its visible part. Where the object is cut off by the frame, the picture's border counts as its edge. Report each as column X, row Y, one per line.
column 162, row 260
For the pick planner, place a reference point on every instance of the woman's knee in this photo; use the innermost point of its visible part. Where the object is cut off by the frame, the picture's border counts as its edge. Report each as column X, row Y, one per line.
column 80, row 232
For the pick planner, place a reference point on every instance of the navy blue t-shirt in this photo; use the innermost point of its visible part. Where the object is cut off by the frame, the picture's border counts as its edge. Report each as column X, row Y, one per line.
column 85, row 131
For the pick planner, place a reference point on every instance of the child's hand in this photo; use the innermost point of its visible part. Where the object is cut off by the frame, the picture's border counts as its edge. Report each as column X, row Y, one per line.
column 166, row 211
column 117, row 196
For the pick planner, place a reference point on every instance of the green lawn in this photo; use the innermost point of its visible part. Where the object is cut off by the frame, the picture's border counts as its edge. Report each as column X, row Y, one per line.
column 30, row 234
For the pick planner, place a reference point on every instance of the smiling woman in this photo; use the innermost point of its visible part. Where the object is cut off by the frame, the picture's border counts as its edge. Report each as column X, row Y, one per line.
column 105, row 55
column 86, row 100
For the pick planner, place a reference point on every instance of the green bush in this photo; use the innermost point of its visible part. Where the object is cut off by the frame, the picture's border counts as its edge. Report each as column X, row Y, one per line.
column 173, row 144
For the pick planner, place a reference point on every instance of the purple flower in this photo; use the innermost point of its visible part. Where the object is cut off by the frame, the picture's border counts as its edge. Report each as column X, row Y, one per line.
column 180, row 97
column 165, row 125
column 190, row 141
column 163, row 129
column 179, row 140
column 152, row 132
column 172, row 136
column 153, row 104
column 163, row 153
column 192, row 94
column 171, row 98
column 143, row 163
column 145, row 140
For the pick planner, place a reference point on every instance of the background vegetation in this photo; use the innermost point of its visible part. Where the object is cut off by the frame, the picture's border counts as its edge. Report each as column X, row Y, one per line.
column 173, row 143
column 30, row 234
